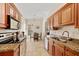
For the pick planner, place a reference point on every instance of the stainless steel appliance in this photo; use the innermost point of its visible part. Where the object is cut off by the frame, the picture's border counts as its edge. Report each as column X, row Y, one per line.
column 13, row 23
column 7, row 38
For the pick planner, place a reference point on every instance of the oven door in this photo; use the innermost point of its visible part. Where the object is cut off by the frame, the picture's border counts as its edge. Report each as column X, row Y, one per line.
column 6, row 40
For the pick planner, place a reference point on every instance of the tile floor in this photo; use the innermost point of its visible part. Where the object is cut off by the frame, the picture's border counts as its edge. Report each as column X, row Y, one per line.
column 35, row 48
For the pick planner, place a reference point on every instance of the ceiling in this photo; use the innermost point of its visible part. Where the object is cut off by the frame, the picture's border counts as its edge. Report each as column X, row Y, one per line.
column 31, row 10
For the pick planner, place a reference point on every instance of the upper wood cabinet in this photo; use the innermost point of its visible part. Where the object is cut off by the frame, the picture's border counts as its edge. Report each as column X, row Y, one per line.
column 8, row 9
column 13, row 11
column 68, row 14
column 56, row 24
column 57, row 20
column 2, row 15
column 76, row 15
column 50, row 23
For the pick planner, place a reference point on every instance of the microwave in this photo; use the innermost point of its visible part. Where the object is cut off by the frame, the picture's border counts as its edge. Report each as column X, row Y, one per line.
column 13, row 23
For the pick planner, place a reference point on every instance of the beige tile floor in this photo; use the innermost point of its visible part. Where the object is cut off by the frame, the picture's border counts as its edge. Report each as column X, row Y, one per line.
column 35, row 48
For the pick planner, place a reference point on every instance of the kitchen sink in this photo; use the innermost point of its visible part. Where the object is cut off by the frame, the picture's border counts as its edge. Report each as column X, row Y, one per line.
column 62, row 38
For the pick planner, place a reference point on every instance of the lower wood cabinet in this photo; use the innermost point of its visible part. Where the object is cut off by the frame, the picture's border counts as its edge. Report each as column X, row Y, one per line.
column 50, row 44
column 19, row 50
column 53, row 50
column 57, row 49
column 70, row 52
column 11, row 52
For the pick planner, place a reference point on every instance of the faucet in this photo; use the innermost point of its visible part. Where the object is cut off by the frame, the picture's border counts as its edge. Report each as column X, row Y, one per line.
column 65, row 32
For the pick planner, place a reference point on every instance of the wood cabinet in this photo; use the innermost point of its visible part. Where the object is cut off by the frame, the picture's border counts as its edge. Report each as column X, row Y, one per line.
column 2, row 15
column 76, row 15
column 68, row 14
column 49, row 23
column 57, row 20
column 50, row 45
column 59, row 50
column 13, row 11
column 54, row 21
column 15, row 52
column 19, row 50
column 55, row 49
column 70, row 52
column 8, row 9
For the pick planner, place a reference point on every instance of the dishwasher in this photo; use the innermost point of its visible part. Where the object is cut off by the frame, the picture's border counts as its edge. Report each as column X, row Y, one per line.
column 46, row 43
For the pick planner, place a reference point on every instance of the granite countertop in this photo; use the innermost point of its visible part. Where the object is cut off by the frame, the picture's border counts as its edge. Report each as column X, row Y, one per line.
column 74, row 44
column 6, row 47
column 11, row 46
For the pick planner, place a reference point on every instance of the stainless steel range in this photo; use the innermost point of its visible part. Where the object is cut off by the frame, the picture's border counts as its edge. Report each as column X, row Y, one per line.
column 7, row 38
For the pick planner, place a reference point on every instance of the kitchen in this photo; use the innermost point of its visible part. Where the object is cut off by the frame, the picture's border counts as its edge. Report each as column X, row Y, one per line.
column 59, row 29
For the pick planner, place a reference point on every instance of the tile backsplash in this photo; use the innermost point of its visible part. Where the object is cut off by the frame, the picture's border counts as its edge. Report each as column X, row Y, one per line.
column 73, row 32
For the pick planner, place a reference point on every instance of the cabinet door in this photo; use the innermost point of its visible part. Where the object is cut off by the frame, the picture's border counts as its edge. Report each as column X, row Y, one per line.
column 56, row 24
column 53, row 50
column 77, row 15
column 2, row 15
column 70, row 52
column 50, row 44
column 49, row 23
column 12, row 11
column 68, row 14
column 57, row 19
column 16, row 15
column 59, row 51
